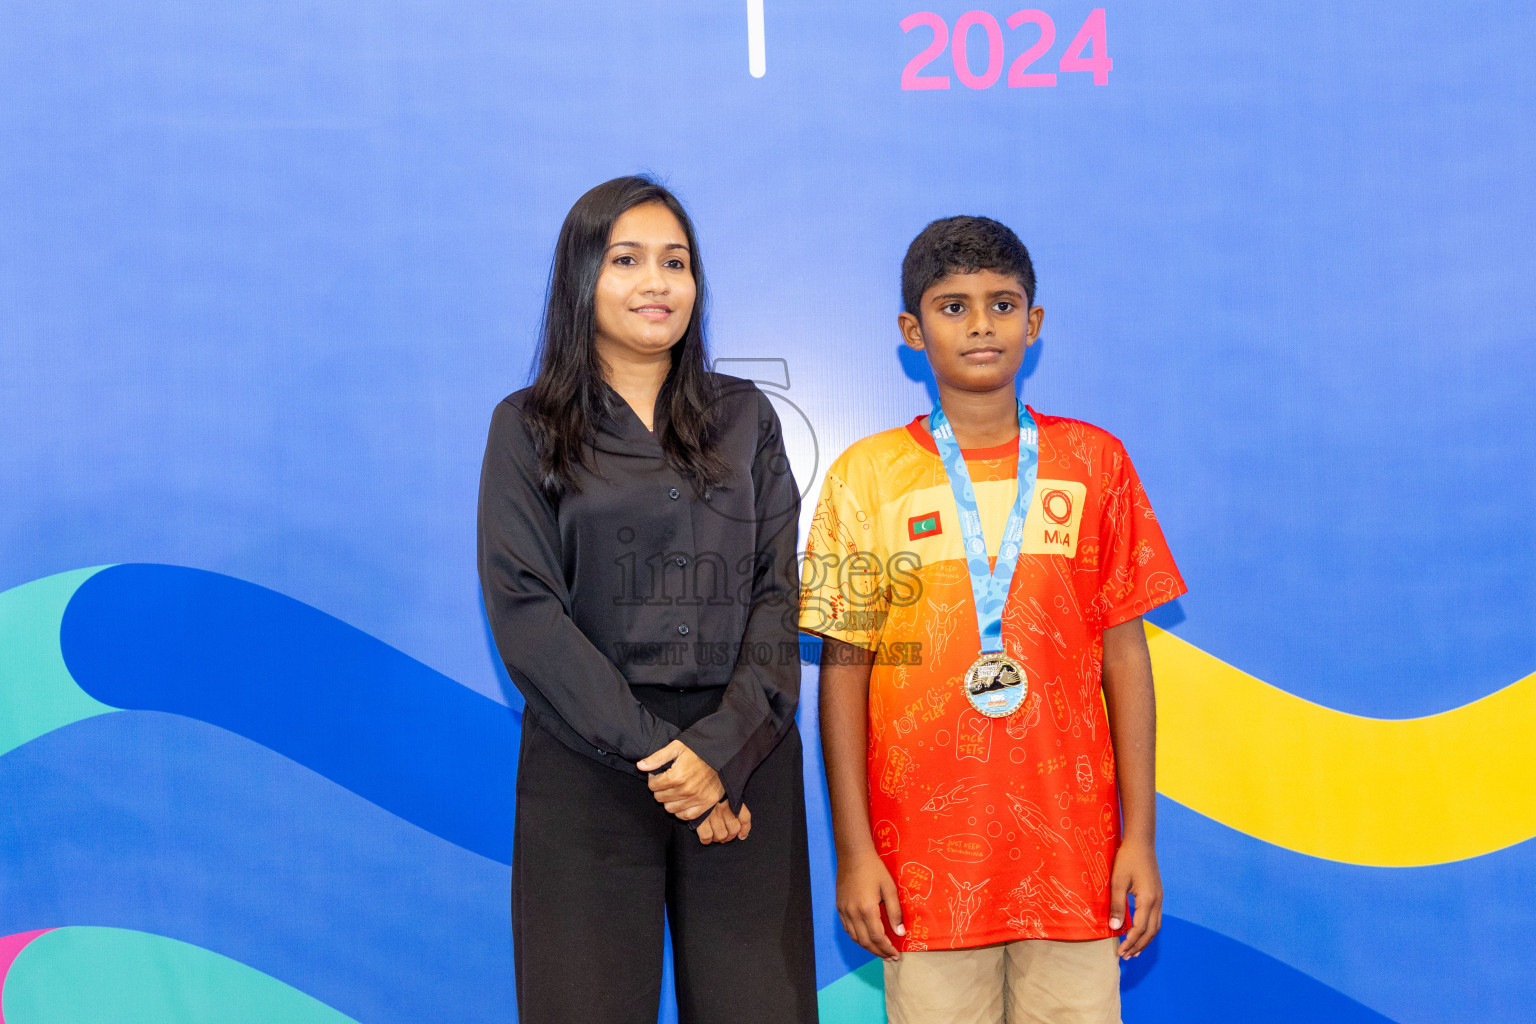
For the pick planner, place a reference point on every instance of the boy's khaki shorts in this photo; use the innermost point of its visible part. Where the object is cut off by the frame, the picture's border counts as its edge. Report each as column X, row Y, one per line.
column 1031, row 981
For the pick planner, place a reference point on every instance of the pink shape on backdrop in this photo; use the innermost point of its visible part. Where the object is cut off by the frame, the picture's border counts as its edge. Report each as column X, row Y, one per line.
column 10, row 947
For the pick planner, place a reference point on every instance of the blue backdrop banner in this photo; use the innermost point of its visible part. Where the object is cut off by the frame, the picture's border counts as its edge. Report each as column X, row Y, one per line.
column 265, row 269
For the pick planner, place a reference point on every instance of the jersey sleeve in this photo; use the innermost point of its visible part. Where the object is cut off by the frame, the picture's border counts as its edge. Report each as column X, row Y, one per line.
column 843, row 591
column 1137, row 571
column 560, row 672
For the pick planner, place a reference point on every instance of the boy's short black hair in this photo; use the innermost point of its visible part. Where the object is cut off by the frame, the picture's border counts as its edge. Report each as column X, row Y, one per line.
column 963, row 245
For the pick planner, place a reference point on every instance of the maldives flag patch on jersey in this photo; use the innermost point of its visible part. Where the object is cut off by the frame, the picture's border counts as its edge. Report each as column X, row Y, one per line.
column 925, row 525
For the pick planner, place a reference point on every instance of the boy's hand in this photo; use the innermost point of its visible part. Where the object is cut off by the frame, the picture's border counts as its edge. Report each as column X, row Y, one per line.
column 722, row 826
column 687, row 789
column 1136, row 872
column 863, row 884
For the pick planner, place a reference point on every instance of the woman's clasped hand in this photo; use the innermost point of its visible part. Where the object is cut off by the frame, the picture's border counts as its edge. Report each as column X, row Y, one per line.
column 690, row 789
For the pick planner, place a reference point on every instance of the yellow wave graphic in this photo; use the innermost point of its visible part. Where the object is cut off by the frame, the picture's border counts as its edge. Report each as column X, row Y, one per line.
column 1387, row 793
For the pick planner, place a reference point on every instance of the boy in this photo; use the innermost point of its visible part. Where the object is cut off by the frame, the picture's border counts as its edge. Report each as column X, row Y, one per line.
column 978, row 578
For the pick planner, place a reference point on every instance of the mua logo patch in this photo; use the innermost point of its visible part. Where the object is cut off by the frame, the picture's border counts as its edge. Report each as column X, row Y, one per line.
column 925, row 525
column 1051, row 527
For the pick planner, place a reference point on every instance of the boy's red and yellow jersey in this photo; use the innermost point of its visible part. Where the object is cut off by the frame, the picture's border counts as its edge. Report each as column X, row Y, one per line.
column 994, row 829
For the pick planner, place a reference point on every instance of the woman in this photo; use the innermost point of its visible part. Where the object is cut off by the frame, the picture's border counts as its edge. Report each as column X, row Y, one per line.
column 637, row 558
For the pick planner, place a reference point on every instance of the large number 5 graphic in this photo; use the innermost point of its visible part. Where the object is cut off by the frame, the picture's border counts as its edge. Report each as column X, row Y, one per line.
column 910, row 79
column 1016, row 75
column 1091, row 32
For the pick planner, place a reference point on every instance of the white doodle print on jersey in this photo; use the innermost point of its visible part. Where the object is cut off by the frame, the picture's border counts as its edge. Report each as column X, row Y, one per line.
column 916, row 881
column 1064, row 901
column 877, row 719
column 1026, row 718
column 1066, row 598
column 1032, row 820
column 963, row 904
column 935, row 702
column 1090, row 682
column 1047, row 448
column 1091, row 842
column 973, row 736
column 1114, row 507
column 1061, row 709
column 941, row 627
column 1079, row 442
column 945, row 801
column 894, row 776
column 1023, row 906
column 1161, row 586
column 1033, row 617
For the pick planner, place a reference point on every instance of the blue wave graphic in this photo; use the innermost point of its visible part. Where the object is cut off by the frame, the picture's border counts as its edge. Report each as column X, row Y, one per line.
column 167, row 825
column 302, row 683
column 149, row 821
column 415, row 743
column 1388, row 937
column 1192, row 975
column 836, row 954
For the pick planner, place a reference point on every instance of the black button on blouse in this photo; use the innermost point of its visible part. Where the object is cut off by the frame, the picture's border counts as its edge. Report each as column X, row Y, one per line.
column 584, row 593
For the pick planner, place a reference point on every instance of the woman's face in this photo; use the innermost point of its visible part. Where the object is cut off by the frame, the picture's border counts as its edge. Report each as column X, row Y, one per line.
column 645, row 293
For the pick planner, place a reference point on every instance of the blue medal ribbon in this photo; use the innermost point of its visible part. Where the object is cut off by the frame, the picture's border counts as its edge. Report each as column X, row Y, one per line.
column 989, row 585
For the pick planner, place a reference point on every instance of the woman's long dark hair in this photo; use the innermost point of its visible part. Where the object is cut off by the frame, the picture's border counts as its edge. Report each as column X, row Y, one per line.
column 569, row 396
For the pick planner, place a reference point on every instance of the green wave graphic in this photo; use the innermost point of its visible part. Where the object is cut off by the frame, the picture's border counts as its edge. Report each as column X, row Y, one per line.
column 858, row 997
column 37, row 693
column 100, row 975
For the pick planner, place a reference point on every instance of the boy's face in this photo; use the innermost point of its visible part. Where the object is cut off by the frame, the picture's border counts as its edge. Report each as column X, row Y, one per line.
column 974, row 328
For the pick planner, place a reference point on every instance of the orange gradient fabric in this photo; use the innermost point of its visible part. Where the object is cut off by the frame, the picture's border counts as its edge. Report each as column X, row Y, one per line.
column 994, row 829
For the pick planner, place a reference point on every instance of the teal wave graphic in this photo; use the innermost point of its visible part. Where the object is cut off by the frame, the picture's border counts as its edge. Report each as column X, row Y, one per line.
column 75, row 975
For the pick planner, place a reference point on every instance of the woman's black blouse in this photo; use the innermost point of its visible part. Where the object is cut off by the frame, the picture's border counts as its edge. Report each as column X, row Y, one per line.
column 634, row 578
